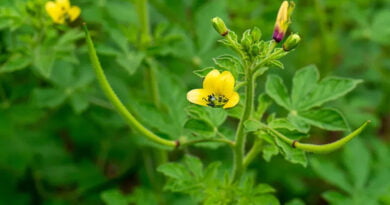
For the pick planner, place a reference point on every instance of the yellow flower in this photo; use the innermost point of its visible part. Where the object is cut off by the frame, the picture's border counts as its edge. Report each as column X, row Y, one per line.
column 61, row 11
column 218, row 91
column 283, row 20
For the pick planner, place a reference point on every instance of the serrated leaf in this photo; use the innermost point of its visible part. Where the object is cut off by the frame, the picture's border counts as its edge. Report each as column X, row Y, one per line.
column 291, row 154
column 281, row 123
column 276, row 89
column 269, row 151
column 357, row 159
column 304, row 82
column 130, row 61
column 263, row 102
column 331, row 173
column 325, row 118
column 229, row 63
column 194, row 165
column 252, row 125
column 328, row 89
column 298, row 123
column 203, row 72
column 174, row 170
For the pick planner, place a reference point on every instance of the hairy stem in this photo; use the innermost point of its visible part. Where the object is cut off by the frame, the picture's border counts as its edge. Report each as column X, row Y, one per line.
column 255, row 150
column 239, row 149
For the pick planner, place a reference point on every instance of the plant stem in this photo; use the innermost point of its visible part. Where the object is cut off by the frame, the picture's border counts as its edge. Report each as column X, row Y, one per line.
column 113, row 98
column 143, row 17
column 226, row 141
column 255, row 150
column 239, row 149
column 153, row 83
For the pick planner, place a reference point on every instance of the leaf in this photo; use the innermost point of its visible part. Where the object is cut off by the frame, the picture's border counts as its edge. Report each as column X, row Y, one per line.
column 229, row 63
column 174, row 170
column 203, row 72
column 277, row 91
column 380, row 31
column 269, row 151
column 336, row 198
column 15, row 62
column 325, row 118
column 295, row 202
column 194, row 165
column 357, row 159
column 332, row 174
column 44, row 60
column 79, row 102
column 281, row 123
column 49, row 97
column 291, row 154
column 130, row 61
column 263, row 102
column 298, row 123
column 276, row 63
column 328, row 89
column 252, row 125
column 304, row 82
column 200, row 127
column 113, row 197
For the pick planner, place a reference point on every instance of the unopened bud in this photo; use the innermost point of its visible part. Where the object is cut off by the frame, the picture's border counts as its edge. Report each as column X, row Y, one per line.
column 220, row 26
column 283, row 20
column 291, row 42
column 256, row 34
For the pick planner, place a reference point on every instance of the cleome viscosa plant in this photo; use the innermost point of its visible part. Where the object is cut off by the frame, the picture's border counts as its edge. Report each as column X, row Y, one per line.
column 229, row 91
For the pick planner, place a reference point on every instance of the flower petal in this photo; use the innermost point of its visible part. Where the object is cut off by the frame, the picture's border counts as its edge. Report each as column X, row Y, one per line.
column 197, row 96
column 63, row 4
column 225, row 84
column 233, row 100
column 74, row 12
column 211, row 80
column 54, row 12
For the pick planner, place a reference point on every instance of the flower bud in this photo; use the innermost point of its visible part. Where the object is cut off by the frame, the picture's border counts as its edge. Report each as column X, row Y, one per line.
column 220, row 26
column 256, row 34
column 291, row 42
column 283, row 20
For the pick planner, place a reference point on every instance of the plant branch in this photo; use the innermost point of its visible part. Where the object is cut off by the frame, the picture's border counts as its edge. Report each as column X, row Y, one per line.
column 113, row 98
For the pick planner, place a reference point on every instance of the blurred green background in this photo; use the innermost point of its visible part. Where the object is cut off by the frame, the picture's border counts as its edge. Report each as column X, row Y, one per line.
column 61, row 142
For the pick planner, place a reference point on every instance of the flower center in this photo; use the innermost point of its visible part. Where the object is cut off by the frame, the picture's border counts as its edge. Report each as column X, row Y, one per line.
column 214, row 100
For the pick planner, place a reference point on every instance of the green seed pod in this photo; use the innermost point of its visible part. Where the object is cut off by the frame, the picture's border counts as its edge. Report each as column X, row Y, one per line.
column 220, row 26
column 291, row 42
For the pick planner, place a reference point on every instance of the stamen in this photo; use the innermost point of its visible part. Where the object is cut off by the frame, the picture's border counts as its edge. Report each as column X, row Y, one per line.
column 214, row 100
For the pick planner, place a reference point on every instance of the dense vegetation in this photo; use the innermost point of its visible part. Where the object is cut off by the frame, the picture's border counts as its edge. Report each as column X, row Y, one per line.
column 65, row 140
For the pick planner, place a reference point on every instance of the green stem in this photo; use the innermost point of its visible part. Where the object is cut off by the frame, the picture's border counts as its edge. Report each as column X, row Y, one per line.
column 255, row 150
column 152, row 79
column 239, row 149
column 191, row 142
column 319, row 149
column 113, row 98
column 142, row 11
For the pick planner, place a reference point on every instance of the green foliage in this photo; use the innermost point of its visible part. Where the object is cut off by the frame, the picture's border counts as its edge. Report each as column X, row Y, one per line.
column 207, row 186
column 63, row 143
column 359, row 180
column 307, row 94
